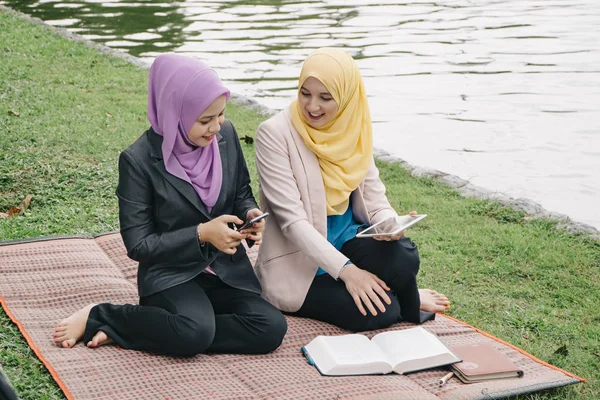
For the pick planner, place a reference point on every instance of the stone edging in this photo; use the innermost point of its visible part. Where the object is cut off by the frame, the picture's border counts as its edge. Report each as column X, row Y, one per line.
column 533, row 209
column 467, row 189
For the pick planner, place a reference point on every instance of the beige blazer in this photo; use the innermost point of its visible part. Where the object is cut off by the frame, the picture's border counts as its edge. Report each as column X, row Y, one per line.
column 295, row 242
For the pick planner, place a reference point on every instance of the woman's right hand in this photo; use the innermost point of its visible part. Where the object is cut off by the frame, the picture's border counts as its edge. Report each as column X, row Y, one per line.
column 365, row 288
column 220, row 235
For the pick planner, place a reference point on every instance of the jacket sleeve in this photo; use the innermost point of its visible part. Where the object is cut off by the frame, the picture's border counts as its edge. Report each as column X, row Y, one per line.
column 244, row 199
column 279, row 187
column 143, row 243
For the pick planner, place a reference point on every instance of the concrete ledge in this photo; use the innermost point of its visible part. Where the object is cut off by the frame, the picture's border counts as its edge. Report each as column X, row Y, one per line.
column 531, row 208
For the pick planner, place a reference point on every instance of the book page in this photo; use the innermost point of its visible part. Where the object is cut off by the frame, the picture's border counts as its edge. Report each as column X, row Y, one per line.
column 409, row 344
column 347, row 355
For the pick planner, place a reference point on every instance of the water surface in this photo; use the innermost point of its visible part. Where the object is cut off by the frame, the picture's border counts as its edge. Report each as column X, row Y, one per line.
column 503, row 93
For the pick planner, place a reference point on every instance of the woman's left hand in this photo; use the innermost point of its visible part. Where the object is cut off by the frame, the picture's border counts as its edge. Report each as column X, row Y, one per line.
column 396, row 236
column 255, row 231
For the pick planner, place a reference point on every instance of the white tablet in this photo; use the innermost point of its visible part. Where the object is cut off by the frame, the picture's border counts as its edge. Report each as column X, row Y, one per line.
column 391, row 226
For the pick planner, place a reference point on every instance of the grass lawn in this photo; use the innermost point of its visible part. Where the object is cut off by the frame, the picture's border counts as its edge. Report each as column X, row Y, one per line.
column 66, row 111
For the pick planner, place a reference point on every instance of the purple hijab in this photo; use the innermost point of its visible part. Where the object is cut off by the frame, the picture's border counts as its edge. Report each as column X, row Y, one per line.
column 180, row 89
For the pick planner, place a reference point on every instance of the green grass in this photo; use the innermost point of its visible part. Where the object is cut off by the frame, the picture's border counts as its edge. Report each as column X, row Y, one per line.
column 523, row 281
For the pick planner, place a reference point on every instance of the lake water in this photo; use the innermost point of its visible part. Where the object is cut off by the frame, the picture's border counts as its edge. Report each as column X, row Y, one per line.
column 503, row 93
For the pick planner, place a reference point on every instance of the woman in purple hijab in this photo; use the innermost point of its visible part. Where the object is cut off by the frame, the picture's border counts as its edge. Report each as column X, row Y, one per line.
column 183, row 187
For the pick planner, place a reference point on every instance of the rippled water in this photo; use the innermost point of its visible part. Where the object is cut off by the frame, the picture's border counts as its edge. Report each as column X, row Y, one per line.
column 503, row 93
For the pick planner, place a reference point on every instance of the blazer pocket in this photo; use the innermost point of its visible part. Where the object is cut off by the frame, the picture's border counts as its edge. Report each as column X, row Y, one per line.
column 278, row 256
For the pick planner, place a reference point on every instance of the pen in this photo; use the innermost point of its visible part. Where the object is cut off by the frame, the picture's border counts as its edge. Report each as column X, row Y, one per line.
column 445, row 378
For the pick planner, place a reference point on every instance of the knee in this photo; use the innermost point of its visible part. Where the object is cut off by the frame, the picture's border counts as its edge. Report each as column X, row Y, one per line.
column 381, row 320
column 195, row 338
column 411, row 265
column 408, row 256
column 273, row 330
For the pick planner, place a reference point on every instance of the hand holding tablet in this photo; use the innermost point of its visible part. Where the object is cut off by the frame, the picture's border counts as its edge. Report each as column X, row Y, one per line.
column 391, row 226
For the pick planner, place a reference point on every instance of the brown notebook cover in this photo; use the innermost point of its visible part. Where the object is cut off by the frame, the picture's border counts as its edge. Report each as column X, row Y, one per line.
column 482, row 362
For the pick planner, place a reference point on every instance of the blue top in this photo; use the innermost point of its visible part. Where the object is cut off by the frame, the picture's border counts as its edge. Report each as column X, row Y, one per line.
column 340, row 229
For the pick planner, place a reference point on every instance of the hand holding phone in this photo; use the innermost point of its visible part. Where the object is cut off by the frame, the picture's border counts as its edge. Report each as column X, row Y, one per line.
column 253, row 221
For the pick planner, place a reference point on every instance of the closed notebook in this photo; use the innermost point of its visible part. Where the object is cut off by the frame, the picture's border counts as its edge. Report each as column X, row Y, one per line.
column 482, row 362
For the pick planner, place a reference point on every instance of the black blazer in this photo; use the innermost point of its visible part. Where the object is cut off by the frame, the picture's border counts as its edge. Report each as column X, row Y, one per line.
column 159, row 213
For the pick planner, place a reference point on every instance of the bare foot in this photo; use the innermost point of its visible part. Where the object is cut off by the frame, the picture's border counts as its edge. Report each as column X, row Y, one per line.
column 70, row 330
column 99, row 339
column 433, row 301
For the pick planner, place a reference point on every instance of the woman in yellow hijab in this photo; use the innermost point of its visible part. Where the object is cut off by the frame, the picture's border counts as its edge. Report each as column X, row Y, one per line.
column 319, row 181
column 339, row 132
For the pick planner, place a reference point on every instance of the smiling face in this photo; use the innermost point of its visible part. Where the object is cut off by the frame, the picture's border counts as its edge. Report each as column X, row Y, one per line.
column 208, row 124
column 317, row 104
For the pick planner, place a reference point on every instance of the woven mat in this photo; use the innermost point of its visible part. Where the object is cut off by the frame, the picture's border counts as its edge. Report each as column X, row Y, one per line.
column 43, row 281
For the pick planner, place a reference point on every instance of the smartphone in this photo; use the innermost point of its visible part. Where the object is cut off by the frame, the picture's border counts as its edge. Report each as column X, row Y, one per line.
column 253, row 221
column 391, row 226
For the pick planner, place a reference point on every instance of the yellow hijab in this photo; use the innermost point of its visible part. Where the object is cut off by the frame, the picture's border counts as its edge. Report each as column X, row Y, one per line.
column 344, row 147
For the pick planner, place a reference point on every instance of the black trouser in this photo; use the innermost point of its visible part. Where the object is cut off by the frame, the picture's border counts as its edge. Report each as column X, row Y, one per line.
column 7, row 392
column 202, row 315
column 395, row 262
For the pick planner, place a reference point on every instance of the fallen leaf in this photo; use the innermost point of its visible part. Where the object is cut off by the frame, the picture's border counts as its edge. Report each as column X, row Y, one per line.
column 248, row 139
column 597, row 354
column 26, row 202
column 21, row 208
column 15, row 113
column 562, row 351
column 4, row 215
column 84, row 90
column 108, row 115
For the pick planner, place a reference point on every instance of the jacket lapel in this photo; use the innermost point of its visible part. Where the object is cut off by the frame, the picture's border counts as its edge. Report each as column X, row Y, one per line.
column 225, row 185
column 183, row 187
column 316, row 187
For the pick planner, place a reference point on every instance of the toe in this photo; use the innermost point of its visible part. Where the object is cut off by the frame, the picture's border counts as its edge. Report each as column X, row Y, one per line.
column 440, row 298
column 68, row 343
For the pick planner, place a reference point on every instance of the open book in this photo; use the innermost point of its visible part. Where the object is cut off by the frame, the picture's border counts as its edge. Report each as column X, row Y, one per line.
column 402, row 351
